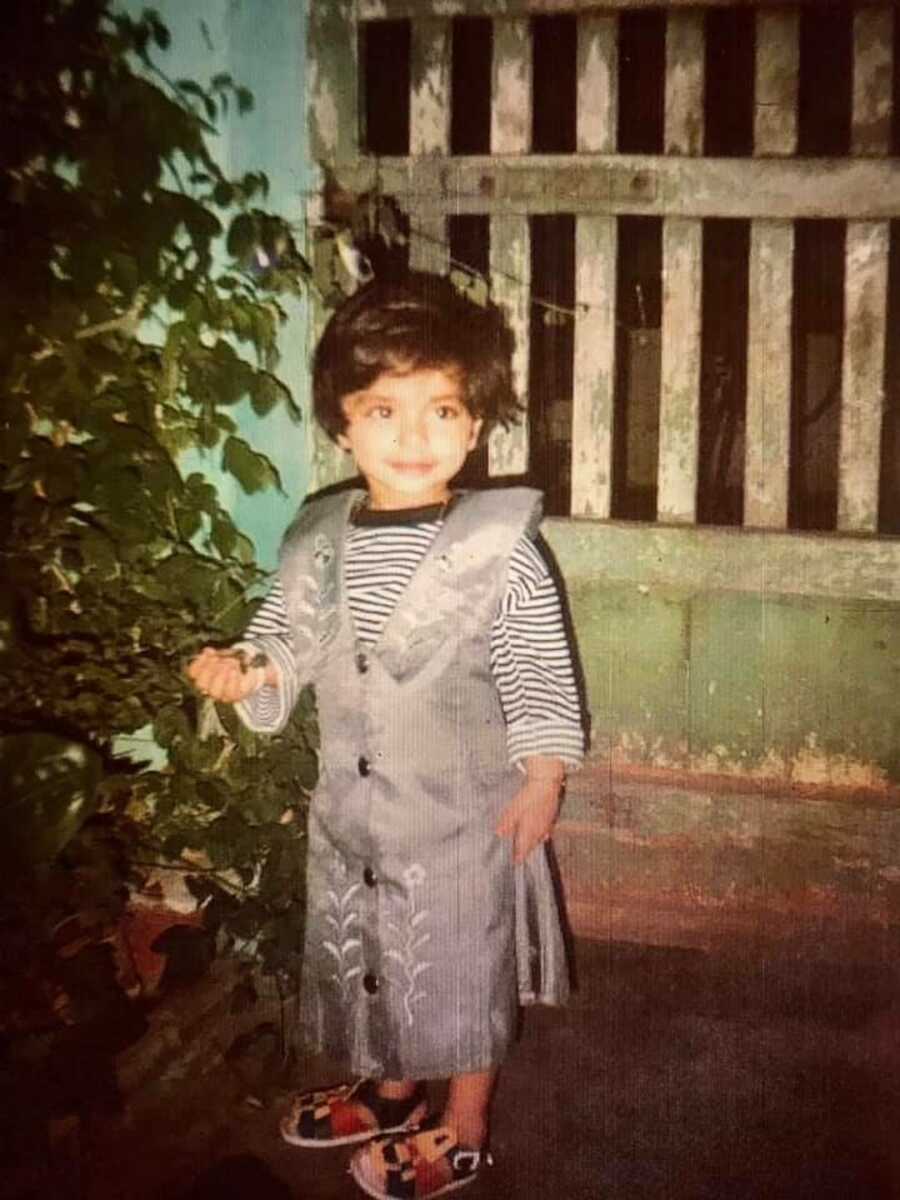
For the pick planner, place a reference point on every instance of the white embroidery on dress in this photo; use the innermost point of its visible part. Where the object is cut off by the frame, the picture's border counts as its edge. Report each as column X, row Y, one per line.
column 346, row 947
column 439, row 602
column 407, row 943
column 323, row 551
column 302, row 612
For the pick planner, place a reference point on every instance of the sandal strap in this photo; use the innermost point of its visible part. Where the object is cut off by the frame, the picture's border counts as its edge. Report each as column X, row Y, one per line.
column 398, row 1156
column 315, row 1110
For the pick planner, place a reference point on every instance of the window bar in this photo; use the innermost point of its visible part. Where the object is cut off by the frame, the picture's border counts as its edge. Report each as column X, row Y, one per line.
column 769, row 352
column 771, row 274
column 598, row 84
column 595, row 278
column 865, row 287
column 333, row 86
column 595, row 365
column 862, row 399
column 679, row 417
column 873, row 68
column 429, row 134
column 510, row 243
column 510, row 260
column 777, row 80
column 430, row 91
column 685, row 63
column 511, row 86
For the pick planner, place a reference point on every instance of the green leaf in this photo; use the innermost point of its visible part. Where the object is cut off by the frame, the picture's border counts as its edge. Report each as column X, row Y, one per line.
column 201, row 224
column 124, row 272
column 225, row 423
column 253, row 471
column 266, row 392
column 188, row 522
column 190, row 88
column 223, row 193
column 245, row 549
column 224, row 536
column 208, row 433
column 99, row 553
column 161, row 35
column 49, row 791
column 179, row 294
column 201, row 493
column 171, row 726
column 243, row 236
column 187, row 576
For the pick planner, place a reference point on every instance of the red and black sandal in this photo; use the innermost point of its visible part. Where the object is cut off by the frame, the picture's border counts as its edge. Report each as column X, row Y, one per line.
column 416, row 1166
column 339, row 1116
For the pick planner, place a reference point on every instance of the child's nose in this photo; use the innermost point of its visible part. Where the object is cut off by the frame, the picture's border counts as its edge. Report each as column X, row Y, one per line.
column 412, row 431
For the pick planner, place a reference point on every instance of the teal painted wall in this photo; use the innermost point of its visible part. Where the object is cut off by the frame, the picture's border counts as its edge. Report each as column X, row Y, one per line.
column 263, row 46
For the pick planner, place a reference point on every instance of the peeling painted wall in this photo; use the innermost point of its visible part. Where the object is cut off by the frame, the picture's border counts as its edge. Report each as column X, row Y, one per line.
column 749, row 655
column 744, row 776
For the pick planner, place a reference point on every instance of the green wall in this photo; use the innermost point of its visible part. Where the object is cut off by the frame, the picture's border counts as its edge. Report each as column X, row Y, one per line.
column 744, row 779
column 748, row 654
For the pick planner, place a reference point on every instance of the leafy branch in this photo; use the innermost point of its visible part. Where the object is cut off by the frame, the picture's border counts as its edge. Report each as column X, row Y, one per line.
column 115, row 220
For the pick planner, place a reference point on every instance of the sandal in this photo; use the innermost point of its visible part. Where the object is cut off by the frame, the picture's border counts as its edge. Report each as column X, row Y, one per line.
column 416, row 1167
column 332, row 1117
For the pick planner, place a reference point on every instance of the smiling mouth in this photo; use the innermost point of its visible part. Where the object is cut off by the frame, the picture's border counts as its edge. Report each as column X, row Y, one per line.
column 412, row 468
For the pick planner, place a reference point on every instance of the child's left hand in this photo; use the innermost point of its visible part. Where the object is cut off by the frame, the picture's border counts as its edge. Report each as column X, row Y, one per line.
column 531, row 814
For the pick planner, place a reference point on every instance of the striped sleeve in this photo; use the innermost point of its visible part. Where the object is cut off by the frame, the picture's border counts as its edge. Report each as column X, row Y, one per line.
column 532, row 664
column 268, row 710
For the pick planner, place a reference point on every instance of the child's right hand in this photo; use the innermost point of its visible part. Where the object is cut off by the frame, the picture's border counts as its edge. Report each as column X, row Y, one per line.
column 228, row 676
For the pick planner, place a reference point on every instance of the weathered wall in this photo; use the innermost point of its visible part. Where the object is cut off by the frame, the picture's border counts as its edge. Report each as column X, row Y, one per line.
column 745, row 766
column 754, row 655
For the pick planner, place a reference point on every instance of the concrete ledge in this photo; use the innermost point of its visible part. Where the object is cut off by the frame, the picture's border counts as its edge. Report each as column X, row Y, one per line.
column 700, row 862
column 692, row 558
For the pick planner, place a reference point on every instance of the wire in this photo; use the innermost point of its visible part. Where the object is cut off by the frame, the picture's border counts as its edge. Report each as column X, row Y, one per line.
column 549, row 306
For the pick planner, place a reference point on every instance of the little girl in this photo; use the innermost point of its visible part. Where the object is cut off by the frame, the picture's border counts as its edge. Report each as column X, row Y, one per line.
column 432, row 629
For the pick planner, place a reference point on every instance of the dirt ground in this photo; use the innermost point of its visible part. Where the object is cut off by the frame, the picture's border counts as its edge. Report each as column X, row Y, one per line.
column 673, row 1074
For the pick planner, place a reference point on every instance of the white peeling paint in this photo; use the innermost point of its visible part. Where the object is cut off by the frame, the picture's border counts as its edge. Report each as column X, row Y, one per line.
column 777, row 75
column 430, row 100
column 680, row 370
column 684, row 82
column 511, row 87
column 598, row 83
column 862, row 391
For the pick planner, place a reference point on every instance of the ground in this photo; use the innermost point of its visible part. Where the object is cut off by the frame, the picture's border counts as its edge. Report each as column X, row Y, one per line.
column 678, row 1074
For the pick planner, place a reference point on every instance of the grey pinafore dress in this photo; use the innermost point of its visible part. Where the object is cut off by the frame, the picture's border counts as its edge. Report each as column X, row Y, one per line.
column 422, row 937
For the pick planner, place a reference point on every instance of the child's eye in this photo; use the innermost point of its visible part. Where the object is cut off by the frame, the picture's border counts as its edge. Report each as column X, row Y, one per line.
column 447, row 412
column 382, row 411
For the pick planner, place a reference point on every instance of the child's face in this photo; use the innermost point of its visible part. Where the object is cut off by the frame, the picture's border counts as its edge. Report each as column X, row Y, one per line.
column 409, row 433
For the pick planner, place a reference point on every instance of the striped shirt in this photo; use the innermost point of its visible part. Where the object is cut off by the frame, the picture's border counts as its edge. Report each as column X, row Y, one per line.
column 531, row 659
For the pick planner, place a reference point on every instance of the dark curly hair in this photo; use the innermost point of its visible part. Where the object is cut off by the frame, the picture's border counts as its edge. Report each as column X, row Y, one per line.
column 420, row 322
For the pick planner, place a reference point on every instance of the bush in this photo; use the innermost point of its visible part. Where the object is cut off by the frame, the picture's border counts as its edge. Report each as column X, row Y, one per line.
column 124, row 344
